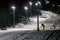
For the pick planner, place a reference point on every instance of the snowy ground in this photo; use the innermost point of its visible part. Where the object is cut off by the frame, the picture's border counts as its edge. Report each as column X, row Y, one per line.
column 48, row 19
column 32, row 35
column 28, row 31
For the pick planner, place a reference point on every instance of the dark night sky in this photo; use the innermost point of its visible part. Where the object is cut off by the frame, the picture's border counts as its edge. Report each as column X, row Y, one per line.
column 19, row 3
column 5, row 3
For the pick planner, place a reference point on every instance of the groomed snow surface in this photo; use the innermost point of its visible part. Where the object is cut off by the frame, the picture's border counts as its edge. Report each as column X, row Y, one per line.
column 32, row 35
column 47, row 18
column 28, row 31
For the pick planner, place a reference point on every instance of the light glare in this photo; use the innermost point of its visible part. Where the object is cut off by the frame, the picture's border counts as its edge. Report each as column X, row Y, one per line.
column 47, row 2
column 39, row 2
column 26, row 8
column 59, row 5
column 36, row 4
column 53, row 5
column 13, row 7
column 30, row 3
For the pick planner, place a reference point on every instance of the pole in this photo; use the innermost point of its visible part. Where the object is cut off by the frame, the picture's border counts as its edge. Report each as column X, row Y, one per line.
column 37, row 19
column 31, row 10
column 26, row 17
column 30, row 13
column 38, row 22
column 14, row 18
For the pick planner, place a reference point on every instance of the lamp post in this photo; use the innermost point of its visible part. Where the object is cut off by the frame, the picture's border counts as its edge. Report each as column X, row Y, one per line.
column 37, row 4
column 26, row 8
column 13, row 8
column 30, row 4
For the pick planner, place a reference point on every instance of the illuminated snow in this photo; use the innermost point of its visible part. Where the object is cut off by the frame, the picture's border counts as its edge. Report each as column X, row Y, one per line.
column 48, row 21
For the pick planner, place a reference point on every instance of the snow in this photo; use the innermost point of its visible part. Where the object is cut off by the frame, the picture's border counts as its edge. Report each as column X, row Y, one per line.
column 24, row 32
column 50, row 19
column 31, row 35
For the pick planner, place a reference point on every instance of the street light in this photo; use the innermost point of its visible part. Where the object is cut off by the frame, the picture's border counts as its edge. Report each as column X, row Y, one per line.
column 53, row 5
column 37, row 4
column 30, row 3
column 26, row 8
column 13, row 8
column 47, row 2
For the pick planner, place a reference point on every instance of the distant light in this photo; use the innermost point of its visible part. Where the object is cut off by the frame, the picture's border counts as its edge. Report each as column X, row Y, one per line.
column 26, row 8
column 30, row 3
column 39, row 2
column 53, row 5
column 47, row 2
column 59, row 5
column 13, row 7
column 36, row 4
